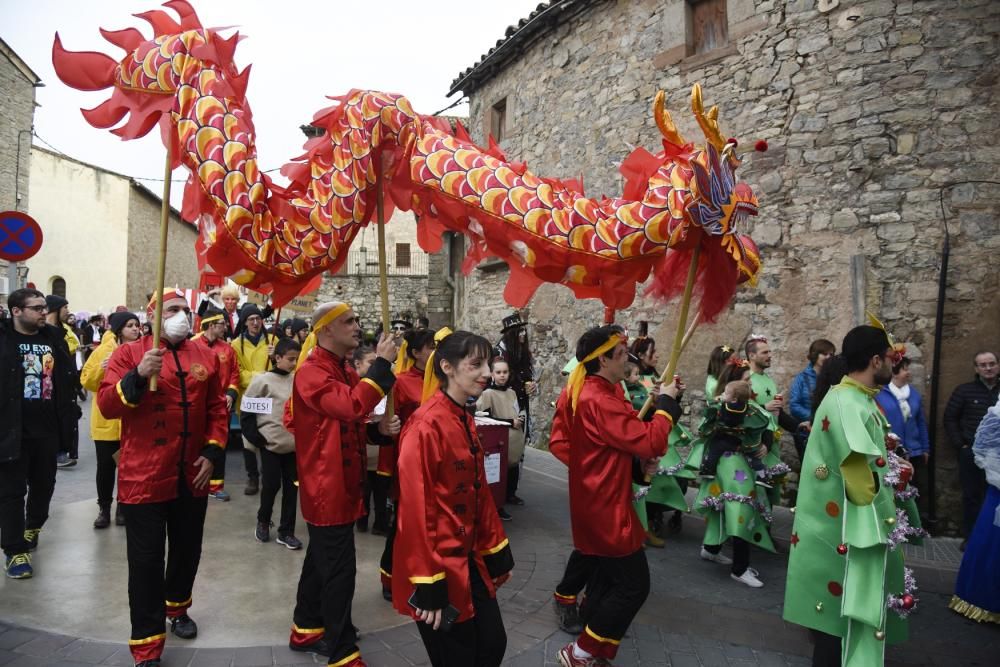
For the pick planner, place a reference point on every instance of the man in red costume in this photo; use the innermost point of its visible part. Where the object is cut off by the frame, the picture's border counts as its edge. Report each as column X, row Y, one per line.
column 418, row 344
column 213, row 338
column 606, row 439
column 170, row 440
column 327, row 414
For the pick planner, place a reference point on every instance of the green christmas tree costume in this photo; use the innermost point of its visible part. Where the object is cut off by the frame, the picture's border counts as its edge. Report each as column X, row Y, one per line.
column 840, row 568
column 730, row 502
column 664, row 488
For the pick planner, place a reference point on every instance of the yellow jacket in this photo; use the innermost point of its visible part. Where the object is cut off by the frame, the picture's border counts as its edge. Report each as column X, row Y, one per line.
column 252, row 359
column 101, row 428
column 72, row 342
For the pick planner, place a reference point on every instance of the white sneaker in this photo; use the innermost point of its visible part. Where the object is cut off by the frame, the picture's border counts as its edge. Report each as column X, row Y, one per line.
column 749, row 578
column 716, row 558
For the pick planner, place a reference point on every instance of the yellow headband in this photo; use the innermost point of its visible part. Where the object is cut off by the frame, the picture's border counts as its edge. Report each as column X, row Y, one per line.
column 310, row 341
column 210, row 319
column 431, row 383
column 574, row 385
column 404, row 362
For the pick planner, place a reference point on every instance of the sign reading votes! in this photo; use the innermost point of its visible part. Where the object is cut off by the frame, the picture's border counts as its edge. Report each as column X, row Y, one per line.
column 257, row 406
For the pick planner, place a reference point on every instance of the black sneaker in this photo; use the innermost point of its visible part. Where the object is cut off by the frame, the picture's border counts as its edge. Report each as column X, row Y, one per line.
column 320, row 647
column 289, row 541
column 569, row 618
column 64, row 461
column 262, row 533
column 155, row 662
column 512, row 499
column 119, row 517
column 253, row 487
column 504, row 515
column 103, row 519
column 184, row 627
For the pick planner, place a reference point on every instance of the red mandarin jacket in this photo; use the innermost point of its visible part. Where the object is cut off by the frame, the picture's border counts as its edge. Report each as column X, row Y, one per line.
column 164, row 431
column 228, row 367
column 407, row 392
column 605, row 434
column 327, row 414
column 446, row 512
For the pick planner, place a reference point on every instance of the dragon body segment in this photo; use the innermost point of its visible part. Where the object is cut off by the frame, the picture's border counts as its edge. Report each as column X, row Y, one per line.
column 283, row 238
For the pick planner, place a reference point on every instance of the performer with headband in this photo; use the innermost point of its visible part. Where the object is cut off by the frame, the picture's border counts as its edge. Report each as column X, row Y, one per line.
column 411, row 363
column 213, row 338
column 606, row 437
column 170, row 440
column 327, row 414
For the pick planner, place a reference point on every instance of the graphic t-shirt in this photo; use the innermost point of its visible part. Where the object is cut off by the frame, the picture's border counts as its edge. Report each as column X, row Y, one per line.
column 38, row 411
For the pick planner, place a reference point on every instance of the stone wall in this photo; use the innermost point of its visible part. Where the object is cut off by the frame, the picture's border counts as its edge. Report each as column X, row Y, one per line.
column 17, row 112
column 143, row 249
column 870, row 110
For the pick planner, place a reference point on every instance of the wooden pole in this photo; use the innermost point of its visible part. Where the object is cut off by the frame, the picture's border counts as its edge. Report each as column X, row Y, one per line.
column 162, row 269
column 690, row 332
column 383, row 272
column 681, row 326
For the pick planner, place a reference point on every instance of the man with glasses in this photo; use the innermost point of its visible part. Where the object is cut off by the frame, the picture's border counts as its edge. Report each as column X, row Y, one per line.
column 966, row 408
column 37, row 388
column 170, row 440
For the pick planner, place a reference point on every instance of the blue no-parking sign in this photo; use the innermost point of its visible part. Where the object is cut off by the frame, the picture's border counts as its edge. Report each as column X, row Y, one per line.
column 20, row 236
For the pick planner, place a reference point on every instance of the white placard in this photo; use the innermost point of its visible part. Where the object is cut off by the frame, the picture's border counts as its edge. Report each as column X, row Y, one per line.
column 492, row 468
column 257, row 406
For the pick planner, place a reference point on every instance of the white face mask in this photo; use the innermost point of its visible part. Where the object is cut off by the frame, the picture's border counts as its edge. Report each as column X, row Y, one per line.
column 177, row 327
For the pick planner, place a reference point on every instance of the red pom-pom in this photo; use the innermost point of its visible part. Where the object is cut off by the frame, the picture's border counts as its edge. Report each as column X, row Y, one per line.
column 760, row 146
column 732, row 140
column 842, row 549
column 880, row 462
column 908, row 601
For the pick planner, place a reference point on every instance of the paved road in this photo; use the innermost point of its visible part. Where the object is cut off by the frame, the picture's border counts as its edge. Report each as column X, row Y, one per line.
column 695, row 615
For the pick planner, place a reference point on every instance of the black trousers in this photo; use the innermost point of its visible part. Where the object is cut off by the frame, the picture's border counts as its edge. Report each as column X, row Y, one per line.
column 376, row 498
column 233, row 441
column 826, row 649
column 158, row 587
column 741, row 554
column 326, row 587
column 513, row 477
column 385, row 563
column 106, row 470
column 921, row 481
column 617, row 592
column 250, row 463
column 479, row 642
column 32, row 474
column 580, row 568
column 973, row 481
column 278, row 473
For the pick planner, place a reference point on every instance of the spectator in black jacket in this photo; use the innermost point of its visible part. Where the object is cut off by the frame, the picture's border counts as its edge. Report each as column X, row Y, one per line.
column 966, row 408
column 37, row 411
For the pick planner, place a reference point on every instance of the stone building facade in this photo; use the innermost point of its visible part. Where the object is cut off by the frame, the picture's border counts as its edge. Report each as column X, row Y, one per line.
column 17, row 113
column 880, row 119
column 419, row 283
column 102, row 236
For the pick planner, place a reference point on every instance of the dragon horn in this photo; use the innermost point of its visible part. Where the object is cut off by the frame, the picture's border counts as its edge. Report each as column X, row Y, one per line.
column 665, row 122
column 709, row 122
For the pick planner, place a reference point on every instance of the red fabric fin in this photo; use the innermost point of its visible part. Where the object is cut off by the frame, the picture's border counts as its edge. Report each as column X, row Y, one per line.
column 189, row 18
column 225, row 48
column 127, row 39
column 461, row 133
column 161, row 22
column 637, row 169
column 240, row 82
column 520, row 287
column 107, row 114
column 83, row 70
column 140, row 122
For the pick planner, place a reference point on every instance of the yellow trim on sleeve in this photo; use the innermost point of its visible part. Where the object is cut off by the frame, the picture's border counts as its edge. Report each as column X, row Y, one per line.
column 121, row 395
column 214, row 442
column 383, row 474
column 599, row 638
column 665, row 414
column 427, row 580
column 384, row 573
column 147, row 640
column 234, row 388
column 374, row 384
column 351, row 657
column 499, row 547
column 186, row 603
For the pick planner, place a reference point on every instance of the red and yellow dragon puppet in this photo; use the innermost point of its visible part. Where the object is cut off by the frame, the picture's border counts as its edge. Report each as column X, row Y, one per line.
column 282, row 239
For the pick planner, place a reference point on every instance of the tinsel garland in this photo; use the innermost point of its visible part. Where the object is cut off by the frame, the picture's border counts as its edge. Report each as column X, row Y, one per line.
column 672, row 470
column 907, row 493
column 902, row 531
column 904, row 604
column 718, row 502
column 777, row 470
column 892, row 477
column 640, row 494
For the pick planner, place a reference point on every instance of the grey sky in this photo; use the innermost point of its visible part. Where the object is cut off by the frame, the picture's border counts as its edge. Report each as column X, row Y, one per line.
column 300, row 51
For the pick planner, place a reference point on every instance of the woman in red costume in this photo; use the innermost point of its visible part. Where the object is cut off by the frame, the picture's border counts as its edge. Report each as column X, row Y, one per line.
column 451, row 552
